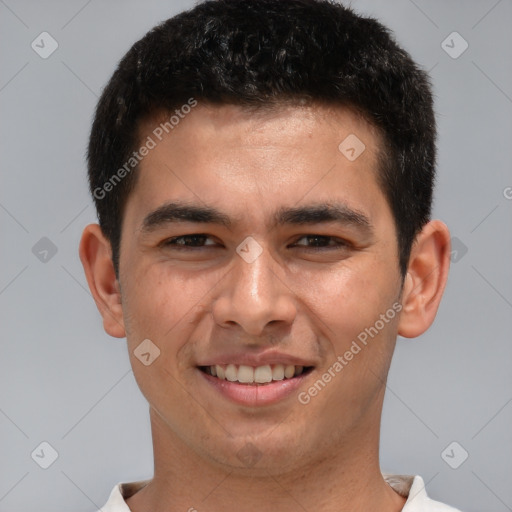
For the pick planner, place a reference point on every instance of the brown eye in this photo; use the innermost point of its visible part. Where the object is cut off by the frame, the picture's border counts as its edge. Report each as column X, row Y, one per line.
column 321, row 241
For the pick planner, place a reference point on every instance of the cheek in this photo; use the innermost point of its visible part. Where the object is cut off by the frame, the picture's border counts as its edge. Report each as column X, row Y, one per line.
column 348, row 299
column 348, row 306
column 163, row 304
column 162, row 307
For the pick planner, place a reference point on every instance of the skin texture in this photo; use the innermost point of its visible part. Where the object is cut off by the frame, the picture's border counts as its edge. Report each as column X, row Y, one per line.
column 198, row 303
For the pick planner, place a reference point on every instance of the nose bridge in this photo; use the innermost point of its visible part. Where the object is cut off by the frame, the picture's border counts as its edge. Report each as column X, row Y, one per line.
column 254, row 296
column 256, row 277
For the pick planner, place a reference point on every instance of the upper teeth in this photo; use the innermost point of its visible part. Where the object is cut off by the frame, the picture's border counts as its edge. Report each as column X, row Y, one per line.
column 260, row 374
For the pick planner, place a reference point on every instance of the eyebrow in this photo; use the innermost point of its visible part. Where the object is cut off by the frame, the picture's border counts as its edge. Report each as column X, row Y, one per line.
column 324, row 212
column 178, row 212
column 309, row 214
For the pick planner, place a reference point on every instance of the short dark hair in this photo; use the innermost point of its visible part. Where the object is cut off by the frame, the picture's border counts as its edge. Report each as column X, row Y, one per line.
column 262, row 53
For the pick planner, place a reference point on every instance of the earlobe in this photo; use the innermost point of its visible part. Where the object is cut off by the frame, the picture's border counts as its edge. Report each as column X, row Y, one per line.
column 96, row 257
column 426, row 278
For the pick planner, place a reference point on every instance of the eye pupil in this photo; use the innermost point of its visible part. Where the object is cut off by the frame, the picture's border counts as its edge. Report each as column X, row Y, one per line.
column 194, row 240
column 318, row 240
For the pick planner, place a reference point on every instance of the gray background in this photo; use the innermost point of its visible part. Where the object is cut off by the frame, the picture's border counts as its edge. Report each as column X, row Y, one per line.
column 66, row 382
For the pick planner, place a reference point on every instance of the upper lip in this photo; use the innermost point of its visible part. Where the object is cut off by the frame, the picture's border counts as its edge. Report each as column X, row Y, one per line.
column 261, row 359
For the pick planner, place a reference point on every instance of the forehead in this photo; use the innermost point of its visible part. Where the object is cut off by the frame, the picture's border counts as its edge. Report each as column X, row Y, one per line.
column 214, row 154
column 250, row 125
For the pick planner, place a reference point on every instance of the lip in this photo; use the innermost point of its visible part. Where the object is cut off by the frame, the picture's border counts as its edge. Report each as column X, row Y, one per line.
column 261, row 359
column 255, row 395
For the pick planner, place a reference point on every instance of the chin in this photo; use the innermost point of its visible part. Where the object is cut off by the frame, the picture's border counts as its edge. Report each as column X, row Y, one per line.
column 267, row 453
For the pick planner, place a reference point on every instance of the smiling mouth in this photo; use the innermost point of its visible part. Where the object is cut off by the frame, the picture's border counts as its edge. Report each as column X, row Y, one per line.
column 255, row 375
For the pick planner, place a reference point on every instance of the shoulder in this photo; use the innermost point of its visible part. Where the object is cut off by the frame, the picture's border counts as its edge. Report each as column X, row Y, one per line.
column 413, row 488
column 116, row 501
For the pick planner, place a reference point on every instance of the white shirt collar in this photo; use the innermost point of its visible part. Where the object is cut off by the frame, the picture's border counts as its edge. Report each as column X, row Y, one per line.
column 410, row 487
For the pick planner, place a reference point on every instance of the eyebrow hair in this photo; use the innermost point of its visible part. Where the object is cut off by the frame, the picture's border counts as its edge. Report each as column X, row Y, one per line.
column 176, row 212
column 309, row 214
column 323, row 212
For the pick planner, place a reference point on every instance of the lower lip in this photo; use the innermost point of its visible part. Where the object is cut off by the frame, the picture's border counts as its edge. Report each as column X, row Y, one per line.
column 255, row 394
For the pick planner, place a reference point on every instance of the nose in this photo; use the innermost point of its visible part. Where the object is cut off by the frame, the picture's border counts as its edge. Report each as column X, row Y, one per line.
column 254, row 297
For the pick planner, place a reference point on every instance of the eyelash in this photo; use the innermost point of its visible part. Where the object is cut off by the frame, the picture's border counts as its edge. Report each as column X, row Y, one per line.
column 339, row 243
column 172, row 241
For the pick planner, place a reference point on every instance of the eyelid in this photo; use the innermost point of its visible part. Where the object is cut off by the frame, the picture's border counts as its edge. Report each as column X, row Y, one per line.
column 170, row 241
column 339, row 242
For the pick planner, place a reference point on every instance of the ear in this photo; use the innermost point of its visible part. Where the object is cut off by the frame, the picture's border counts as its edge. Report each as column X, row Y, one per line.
column 96, row 256
column 426, row 278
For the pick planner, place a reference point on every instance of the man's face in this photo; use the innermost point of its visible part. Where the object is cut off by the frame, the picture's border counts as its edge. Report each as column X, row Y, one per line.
column 319, row 269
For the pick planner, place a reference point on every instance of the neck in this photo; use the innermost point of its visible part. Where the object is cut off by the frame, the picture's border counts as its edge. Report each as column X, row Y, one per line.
column 348, row 480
